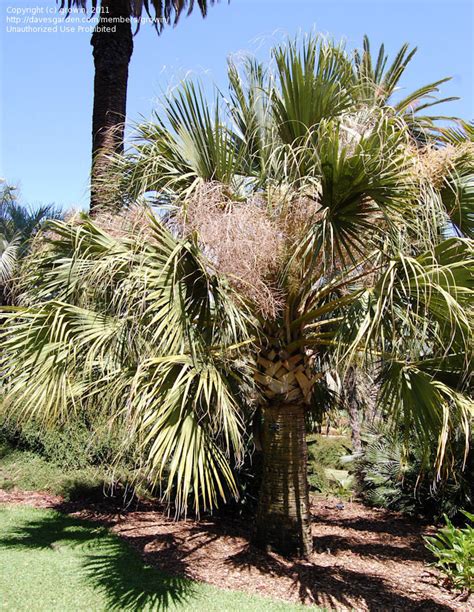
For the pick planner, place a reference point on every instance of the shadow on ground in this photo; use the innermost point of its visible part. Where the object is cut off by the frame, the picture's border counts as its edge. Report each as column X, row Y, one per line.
column 153, row 563
column 334, row 587
column 109, row 565
column 329, row 586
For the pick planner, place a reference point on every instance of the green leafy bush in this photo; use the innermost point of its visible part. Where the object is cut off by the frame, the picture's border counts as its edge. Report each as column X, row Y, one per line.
column 328, row 450
column 403, row 479
column 29, row 471
column 79, row 444
column 453, row 548
column 84, row 459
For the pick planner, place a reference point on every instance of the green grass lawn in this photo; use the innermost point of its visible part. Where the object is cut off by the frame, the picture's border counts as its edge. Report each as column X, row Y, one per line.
column 50, row 561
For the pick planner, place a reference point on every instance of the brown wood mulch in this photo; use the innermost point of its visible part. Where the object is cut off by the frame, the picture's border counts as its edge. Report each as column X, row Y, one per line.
column 363, row 559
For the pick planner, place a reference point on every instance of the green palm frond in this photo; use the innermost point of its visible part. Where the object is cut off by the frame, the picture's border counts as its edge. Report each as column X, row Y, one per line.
column 425, row 407
column 364, row 184
column 191, row 145
column 314, row 83
column 187, row 422
column 147, row 332
column 8, row 258
column 417, row 320
column 63, row 350
column 204, row 136
column 417, row 300
column 18, row 226
column 458, row 134
column 19, row 221
column 78, row 255
column 377, row 83
column 250, row 110
column 423, row 98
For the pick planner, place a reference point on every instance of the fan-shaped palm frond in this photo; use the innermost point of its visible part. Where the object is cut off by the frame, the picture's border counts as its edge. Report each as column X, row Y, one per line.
column 176, row 154
column 437, row 285
column 250, row 109
column 417, row 402
column 8, row 258
column 314, row 83
column 364, row 183
column 418, row 318
column 378, row 82
column 18, row 226
column 149, row 333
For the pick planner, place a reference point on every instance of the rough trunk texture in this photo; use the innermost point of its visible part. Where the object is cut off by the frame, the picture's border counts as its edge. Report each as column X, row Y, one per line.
column 283, row 518
column 352, row 404
column 112, row 51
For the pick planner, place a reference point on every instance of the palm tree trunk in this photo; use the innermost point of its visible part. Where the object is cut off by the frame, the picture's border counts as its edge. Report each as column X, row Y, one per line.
column 112, row 43
column 352, row 404
column 283, row 517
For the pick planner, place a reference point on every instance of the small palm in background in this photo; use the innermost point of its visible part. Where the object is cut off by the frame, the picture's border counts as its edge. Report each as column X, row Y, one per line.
column 18, row 226
column 393, row 475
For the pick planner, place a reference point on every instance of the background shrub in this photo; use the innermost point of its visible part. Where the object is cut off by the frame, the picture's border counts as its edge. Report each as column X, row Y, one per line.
column 29, row 471
column 392, row 476
column 74, row 446
column 328, row 473
column 85, row 459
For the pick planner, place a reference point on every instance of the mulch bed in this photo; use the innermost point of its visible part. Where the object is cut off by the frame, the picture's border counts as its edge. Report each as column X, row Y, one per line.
column 363, row 559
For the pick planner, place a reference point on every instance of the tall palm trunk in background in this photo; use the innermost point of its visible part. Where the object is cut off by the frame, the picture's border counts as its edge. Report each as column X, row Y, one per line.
column 352, row 406
column 112, row 50
column 283, row 518
column 112, row 42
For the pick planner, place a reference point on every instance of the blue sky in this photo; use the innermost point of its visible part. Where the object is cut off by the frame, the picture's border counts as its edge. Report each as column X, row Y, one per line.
column 47, row 78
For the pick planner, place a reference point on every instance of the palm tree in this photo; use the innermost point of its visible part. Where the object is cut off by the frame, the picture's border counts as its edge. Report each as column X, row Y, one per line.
column 18, row 226
column 112, row 43
column 458, row 190
column 297, row 231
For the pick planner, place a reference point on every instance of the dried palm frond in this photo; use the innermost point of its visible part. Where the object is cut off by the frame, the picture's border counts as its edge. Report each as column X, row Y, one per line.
column 241, row 241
